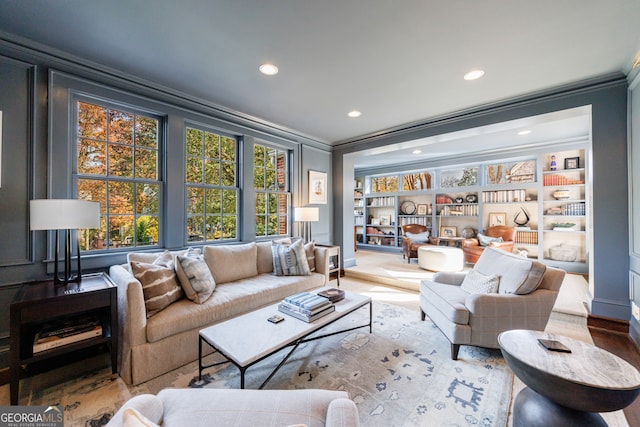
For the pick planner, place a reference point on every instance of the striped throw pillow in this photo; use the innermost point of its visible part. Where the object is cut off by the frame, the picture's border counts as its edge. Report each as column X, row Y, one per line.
column 160, row 286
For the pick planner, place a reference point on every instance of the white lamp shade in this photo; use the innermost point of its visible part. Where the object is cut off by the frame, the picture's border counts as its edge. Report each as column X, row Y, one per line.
column 63, row 214
column 306, row 214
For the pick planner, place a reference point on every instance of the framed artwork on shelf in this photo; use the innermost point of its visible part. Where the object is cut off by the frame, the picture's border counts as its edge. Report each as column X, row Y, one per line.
column 497, row 218
column 385, row 219
column 375, row 221
column 572, row 163
column 317, row 188
column 422, row 210
column 447, row 231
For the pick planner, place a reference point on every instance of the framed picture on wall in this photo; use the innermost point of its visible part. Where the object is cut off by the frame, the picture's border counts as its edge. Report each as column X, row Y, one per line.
column 317, row 188
column 497, row 218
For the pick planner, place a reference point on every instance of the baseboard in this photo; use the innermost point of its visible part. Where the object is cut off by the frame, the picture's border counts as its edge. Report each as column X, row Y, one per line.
column 608, row 324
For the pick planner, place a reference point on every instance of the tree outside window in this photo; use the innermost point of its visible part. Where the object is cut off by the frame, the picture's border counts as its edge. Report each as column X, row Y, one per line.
column 117, row 165
column 211, row 186
column 273, row 194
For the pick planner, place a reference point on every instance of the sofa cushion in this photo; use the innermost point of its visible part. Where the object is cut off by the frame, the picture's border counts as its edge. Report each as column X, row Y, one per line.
column 232, row 262
column 229, row 300
column 477, row 283
column 448, row 299
column 310, row 251
column 290, row 260
column 418, row 237
column 195, row 277
column 518, row 275
column 132, row 418
column 160, row 286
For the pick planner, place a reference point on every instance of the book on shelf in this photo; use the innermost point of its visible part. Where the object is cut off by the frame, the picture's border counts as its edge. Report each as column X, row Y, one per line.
column 68, row 325
column 287, row 309
column 42, row 343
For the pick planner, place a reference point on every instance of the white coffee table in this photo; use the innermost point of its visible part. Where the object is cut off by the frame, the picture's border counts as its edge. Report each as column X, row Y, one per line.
column 249, row 338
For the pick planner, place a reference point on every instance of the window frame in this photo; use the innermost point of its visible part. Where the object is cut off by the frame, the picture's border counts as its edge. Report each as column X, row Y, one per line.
column 237, row 188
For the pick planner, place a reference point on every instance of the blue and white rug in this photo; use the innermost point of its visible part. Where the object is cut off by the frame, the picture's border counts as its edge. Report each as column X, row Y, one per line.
column 400, row 375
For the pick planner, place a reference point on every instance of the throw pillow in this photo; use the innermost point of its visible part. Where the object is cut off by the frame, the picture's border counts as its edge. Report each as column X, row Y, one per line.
column 477, row 283
column 195, row 277
column 232, row 262
column 418, row 237
column 310, row 251
column 165, row 258
column 290, row 260
column 486, row 240
column 160, row 287
column 132, row 418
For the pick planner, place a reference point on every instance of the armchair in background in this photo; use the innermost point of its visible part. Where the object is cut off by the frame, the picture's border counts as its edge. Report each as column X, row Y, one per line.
column 498, row 236
column 414, row 236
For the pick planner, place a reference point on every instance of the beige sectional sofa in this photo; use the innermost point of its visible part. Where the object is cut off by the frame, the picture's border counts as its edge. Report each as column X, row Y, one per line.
column 244, row 281
column 240, row 408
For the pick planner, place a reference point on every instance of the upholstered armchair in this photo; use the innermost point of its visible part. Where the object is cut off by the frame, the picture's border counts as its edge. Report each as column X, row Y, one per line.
column 413, row 236
column 473, row 248
column 503, row 291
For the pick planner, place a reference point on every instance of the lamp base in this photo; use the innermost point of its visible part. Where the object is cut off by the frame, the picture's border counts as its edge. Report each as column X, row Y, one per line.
column 68, row 276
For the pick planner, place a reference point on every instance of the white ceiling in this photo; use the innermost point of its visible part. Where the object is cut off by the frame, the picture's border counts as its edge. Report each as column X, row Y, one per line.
column 396, row 61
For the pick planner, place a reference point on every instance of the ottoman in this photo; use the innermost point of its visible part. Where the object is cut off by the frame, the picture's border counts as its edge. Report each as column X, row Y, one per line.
column 440, row 258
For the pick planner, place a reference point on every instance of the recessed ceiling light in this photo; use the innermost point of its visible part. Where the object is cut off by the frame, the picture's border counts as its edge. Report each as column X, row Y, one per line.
column 417, row 151
column 268, row 69
column 475, row 74
column 524, row 132
column 354, row 113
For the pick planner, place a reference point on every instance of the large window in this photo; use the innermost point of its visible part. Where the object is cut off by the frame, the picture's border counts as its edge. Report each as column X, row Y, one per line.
column 273, row 193
column 211, row 186
column 117, row 165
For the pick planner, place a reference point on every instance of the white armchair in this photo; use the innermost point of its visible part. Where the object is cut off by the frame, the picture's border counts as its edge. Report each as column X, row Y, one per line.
column 527, row 292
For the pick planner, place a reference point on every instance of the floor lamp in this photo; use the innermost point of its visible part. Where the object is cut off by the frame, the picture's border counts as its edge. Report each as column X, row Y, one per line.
column 306, row 216
column 67, row 215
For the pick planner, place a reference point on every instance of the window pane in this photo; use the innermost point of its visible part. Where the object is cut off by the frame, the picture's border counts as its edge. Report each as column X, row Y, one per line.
column 272, row 207
column 92, row 121
column 272, row 225
column 229, row 201
column 270, row 158
column 283, row 203
column 258, row 156
column 281, row 171
column 121, row 230
column 194, row 169
column 94, row 190
column 214, row 204
column 195, row 226
column 282, row 226
column 146, row 132
column 228, row 149
column 229, row 226
column 120, row 160
column 228, row 174
column 212, row 172
column 194, row 142
column 261, row 206
column 258, row 179
column 146, row 230
column 92, row 157
column 270, row 180
column 120, row 127
column 212, row 145
column 214, row 227
column 146, row 163
column 195, row 200
column 261, row 227
column 120, row 197
column 147, row 201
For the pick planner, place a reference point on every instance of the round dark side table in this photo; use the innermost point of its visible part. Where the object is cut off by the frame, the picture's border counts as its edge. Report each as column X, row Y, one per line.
column 566, row 388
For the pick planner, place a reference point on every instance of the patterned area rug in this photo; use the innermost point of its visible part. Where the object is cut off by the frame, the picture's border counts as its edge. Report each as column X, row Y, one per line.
column 400, row 375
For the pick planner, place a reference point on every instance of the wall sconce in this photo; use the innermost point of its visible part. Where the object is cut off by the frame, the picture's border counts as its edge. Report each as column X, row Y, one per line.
column 306, row 216
column 67, row 215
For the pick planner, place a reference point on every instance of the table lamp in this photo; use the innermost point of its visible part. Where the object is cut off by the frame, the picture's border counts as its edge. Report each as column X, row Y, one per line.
column 67, row 215
column 306, row 216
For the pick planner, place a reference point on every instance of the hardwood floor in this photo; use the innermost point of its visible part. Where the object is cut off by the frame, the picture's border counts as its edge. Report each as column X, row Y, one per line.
column 609, row 336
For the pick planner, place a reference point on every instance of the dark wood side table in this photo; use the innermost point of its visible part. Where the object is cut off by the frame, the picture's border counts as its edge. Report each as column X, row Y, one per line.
column 39, row 302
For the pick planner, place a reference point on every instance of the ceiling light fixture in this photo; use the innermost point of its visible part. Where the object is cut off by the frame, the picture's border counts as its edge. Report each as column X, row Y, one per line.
column 473, row 75
column 268, row 69
column 354, row 113
column 417, row 151
column 524, row 132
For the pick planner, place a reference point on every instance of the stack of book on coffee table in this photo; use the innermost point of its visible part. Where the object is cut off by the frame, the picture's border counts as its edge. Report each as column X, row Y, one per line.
column 67, row 331
column 306, row 306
